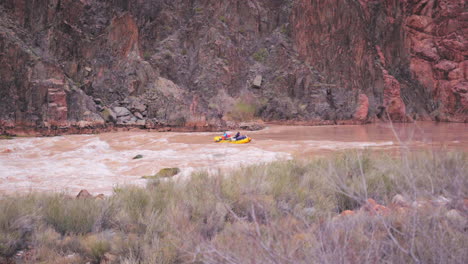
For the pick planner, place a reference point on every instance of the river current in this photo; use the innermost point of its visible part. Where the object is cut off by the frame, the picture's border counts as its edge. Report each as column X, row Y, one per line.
column 101, row 162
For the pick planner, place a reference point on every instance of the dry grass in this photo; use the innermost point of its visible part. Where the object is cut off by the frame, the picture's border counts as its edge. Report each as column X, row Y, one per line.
column 283, row 212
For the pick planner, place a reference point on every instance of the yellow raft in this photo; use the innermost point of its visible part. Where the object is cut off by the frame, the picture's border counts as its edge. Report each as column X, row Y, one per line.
column 242, row 141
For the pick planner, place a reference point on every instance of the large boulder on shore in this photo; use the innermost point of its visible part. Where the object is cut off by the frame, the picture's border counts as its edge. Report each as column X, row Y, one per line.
column 164, row 173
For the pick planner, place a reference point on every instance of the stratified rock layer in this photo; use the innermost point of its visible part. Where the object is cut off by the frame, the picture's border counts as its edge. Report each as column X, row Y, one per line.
column 82, row 66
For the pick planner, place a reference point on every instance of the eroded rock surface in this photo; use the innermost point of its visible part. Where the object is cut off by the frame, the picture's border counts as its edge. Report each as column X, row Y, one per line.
column 67, row 65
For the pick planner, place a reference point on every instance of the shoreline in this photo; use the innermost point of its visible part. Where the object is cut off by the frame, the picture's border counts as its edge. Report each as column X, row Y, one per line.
column 29, row 131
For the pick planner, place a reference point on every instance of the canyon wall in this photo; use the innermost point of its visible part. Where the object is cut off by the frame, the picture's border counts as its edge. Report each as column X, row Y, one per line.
column 81, row 66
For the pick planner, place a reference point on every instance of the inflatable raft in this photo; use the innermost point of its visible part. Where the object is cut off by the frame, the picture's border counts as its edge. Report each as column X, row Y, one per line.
column 232, row 141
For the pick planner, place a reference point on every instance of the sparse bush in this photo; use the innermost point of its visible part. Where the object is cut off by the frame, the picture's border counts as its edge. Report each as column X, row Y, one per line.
column 16, row 224
column 147, row 55
column 96, row 246
column 133, row 203
column 75, row 216
column 222, row 19
column 260, row 55
column 242, row 111
column 286, row 210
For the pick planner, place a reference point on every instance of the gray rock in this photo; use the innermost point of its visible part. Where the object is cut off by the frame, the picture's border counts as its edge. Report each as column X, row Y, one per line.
column 139, row 156
column 127, row 120
column 141, row 122
column 400, row 200
column 138, row 115
column 121, row 111
column 137, row 105
column 257, row 83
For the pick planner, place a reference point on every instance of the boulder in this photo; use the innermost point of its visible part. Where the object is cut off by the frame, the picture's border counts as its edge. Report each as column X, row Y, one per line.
column 168, row 172
column 257, row 83
column 363, row 108
column 137, row 106
column 422, row 23
column 393, row 103
column 456, row 74
column 164, row 173
column 84, row 194
column 127, row 120
column 426, row 50
column 138, row 115
column 422, row 71
column 446, row 65
column 121, row 111
column 139, row 156
column 399, row 200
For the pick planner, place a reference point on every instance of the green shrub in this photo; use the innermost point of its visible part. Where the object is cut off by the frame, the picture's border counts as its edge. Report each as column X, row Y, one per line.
column 96, row 246
column 243, row 111
column 260, row 55
column 133, row 202
column 71, row 216
column 16, row 223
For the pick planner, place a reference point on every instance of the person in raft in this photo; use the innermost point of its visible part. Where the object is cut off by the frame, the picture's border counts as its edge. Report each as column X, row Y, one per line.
column 226, row 135
column 238, row 136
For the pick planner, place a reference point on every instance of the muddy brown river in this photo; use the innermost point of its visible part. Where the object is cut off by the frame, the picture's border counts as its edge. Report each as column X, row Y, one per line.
column 101, row 162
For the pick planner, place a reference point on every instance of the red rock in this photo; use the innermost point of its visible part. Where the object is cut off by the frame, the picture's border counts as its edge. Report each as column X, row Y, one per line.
column 393, row 103
column 446, row 97
column 382, row 210
column 422, row 23
column 446, row 65
column 456, row 74
column 84, row 194
column 363, row 108
column 374, row 208
column 422, row 71
column 371, row 203
column 461, row 91
column 123, row 26
column 347, row 213
column 426, row 50
column 452, row 49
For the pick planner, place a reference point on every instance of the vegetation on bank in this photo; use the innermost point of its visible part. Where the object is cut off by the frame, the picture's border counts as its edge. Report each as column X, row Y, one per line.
column 284, row 212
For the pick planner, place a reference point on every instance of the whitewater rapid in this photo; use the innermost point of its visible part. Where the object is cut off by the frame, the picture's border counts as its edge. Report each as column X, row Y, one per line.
column 99, row 163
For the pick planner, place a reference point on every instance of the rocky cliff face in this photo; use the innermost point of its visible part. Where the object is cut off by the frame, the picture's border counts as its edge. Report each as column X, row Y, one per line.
column 70, row 66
